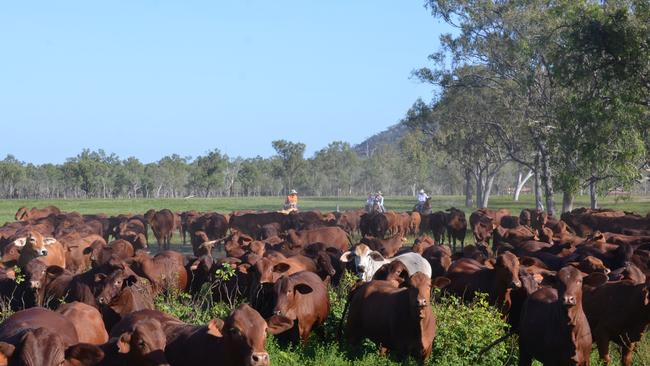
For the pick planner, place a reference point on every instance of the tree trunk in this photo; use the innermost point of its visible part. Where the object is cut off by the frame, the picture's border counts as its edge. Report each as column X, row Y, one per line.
column 592, row 194
column 468, row 188
column 488, row 188
column 521, row 182
column 547, row 180
column 567, row 201
column 538, row 186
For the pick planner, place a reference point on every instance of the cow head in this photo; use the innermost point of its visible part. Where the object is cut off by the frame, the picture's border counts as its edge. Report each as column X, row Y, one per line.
column 394, row 271
column 34, row 244
column 112, row 284
column 35, row 273
column 44, row 347
column 507, row 267
column 366, row 261
column 144, row 343
column 569, row 281
column 419, row 290
column 591, row 264
column 244, row 336
column 288, row 293
column 483, row 229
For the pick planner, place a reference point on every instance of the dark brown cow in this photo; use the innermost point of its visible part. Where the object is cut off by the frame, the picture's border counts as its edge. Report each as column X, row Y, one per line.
column 100, row 253
column 553, row 325
column 387, row 247
column 165, row 271
column 394, row 271
column 333, row 236
column 398, row 319
column 87, row 322
column 439, row 256
column 349, row 221
column 456, row 227
column 77, row 258
column 120, row 293
column 302, row 299
column 237, row 340
column 617, row 312
column 469, row 276
column 41, row 337
column 134, row 231
column 163, row 224
column 438, row 225
column 136, row 340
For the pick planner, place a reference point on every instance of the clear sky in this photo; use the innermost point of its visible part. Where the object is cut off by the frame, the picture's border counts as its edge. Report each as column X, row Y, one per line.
column 148, row 78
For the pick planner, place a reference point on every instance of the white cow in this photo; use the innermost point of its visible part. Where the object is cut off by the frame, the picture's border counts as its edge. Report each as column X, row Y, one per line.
column 368, row 261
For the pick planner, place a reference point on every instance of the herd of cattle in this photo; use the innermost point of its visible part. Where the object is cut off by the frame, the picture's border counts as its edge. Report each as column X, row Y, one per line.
column 82, row 286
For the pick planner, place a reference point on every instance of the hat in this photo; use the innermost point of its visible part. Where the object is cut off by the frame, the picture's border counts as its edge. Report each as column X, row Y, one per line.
column 421, row 190
column 379, row 192
column 293, row 191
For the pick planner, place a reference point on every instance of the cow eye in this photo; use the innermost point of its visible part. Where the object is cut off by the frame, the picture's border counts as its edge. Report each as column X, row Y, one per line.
column 118, row 283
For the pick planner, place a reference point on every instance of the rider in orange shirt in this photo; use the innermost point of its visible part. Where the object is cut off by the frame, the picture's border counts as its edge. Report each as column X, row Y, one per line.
column 292, row 200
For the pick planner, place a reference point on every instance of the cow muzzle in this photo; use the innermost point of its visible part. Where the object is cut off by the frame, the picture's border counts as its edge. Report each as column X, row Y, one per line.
column 35, row 284
column 42, row 252
column 569, row 300
column 259, row 359
column 515, row 284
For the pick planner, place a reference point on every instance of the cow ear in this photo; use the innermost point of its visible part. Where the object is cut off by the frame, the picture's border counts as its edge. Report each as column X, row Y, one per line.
column 441, row 282
column 346, row 257
column 6, row 351
column 84, row 353
column 278, row 324
column 243, row 268
column 303, row 288
column 20, row 242
column 54, row 271
column 214, row 328
column 281, row 267
column 99, row 277
column 595, row 279
column 195, row 265
column 49, row 241
column 376, row 256
column 124, row 343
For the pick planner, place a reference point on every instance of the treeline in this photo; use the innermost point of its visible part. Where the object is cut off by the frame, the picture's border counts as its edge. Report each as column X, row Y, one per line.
column 337, row 170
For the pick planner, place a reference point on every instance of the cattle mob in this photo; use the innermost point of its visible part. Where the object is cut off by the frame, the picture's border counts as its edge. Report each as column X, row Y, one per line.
column 83, row 286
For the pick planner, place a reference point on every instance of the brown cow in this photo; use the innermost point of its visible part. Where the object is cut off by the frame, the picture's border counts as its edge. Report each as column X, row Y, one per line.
column 165, row 271
column 398, row 319
column 134, row 231
column 163, row 224
column 41, row 337
column 77, row 257
column 36, row 213
column 302, row 299
column 387, row 247
column 237, row 340
column 438, row 225
column 333, row 236
column 86, row 320
column 618, row 312
column 415, row 223
column 136, row 340
column 101, row 253
column 469, row 276
column 49, row 250
column 553, row 325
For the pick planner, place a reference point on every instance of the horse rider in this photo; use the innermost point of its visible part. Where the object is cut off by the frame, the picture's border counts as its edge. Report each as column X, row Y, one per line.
column 422, row 199
column 292, row 201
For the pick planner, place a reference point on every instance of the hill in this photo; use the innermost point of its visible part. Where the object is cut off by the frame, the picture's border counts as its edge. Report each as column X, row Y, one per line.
column 391, row 135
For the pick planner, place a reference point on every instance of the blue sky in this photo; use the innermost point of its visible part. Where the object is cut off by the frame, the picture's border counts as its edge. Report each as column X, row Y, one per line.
column 149, row 78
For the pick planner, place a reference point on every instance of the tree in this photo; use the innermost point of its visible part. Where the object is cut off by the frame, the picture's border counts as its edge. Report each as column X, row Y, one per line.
column 208, row 172
column 291, row 156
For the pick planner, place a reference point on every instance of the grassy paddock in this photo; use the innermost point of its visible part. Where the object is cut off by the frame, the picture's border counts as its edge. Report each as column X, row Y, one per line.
column 8, row 208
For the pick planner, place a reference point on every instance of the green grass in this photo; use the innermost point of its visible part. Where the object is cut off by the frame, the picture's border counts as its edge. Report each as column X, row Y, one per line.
column 8, row 208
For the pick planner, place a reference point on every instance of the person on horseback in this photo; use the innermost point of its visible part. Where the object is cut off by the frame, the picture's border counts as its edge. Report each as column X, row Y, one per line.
column 291, row 203
column 422, row 199
column 379, row 201
column 370, row 202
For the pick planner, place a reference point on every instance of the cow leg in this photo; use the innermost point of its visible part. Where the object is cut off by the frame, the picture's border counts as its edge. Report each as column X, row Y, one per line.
column 603, row 349
column 627, row 352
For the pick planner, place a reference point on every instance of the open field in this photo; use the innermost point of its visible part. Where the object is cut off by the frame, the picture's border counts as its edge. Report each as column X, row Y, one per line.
column 226, row 204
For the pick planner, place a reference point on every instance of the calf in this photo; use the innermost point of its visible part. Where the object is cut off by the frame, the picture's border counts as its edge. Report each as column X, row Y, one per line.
column 456, row 227
column 553, row 327
column 163, row 224
column 398, row 319
column 367, row 261
column 618, row 312
column 237, row 340
column 41, row 337
column 301, row 299
column 387, row 247
column 166, row 270
column 438, row 225
column 136, row 340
